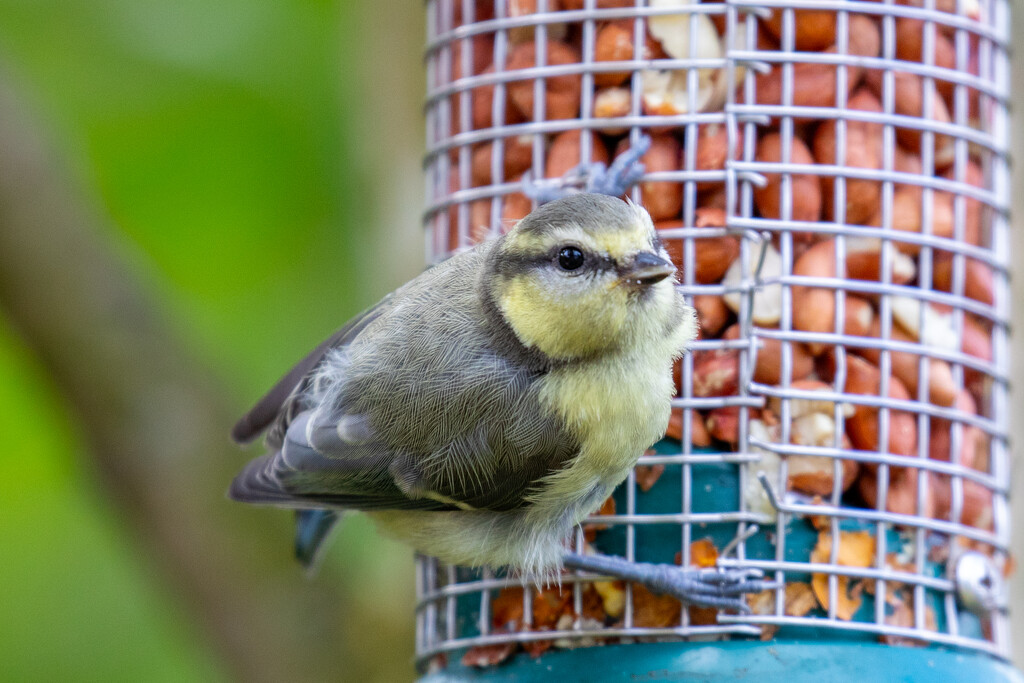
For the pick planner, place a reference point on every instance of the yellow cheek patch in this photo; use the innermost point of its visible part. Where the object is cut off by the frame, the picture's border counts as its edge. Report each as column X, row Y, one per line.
column 563, row 324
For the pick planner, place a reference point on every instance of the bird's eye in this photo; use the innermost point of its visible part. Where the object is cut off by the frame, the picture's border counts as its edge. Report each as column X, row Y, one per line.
column 570, row 258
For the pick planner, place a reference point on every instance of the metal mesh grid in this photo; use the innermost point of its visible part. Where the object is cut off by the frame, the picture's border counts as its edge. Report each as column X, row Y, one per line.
column 480, row 139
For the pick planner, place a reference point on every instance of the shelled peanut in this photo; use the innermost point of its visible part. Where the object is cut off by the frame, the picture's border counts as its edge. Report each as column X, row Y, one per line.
column 821, row 168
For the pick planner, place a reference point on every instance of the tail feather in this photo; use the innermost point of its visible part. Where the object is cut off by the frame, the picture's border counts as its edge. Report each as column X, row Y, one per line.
column 312, row 527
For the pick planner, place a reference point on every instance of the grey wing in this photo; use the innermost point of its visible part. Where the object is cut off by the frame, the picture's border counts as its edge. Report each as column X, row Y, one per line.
column 435, row 420
column 484, row 447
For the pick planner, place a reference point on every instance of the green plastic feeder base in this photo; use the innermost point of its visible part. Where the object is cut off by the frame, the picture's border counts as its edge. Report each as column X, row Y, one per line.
column 793, row 662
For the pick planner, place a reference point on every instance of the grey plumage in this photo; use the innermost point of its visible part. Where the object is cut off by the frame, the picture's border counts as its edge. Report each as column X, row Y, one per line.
column 487, row 406
column 459, row 422
column 597, row 212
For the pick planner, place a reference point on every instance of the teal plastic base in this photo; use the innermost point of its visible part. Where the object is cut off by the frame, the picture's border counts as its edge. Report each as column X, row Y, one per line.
column 792, row 662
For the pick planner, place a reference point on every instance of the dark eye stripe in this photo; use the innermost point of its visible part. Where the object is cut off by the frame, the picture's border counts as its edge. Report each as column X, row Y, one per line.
column 510, row 265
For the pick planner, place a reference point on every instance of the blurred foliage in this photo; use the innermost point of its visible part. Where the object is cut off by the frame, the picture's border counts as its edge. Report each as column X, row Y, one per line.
column 77, row 602
column 222, row 142
column 213, row 133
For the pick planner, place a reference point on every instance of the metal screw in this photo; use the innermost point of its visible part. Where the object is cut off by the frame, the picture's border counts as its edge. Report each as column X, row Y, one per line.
column 979, row 588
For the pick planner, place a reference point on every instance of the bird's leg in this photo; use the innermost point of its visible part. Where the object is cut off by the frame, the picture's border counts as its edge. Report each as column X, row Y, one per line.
column 614, row 180
column 717, row 587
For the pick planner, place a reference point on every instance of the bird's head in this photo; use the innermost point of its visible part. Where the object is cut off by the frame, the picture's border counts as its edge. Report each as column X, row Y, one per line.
column 586, row 274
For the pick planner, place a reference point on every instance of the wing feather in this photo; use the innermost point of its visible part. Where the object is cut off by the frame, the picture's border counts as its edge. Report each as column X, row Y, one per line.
column 381, row 418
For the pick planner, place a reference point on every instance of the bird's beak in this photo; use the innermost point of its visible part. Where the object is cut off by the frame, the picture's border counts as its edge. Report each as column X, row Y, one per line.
column 646, row 269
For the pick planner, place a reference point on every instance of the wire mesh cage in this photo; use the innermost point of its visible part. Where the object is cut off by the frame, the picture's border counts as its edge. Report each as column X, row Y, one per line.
column 832, row 180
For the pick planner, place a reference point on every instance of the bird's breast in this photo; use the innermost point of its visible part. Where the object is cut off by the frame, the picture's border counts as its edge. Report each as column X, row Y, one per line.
column 616, row 406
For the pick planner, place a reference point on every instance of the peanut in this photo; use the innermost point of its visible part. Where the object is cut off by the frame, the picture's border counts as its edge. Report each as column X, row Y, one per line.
column 907, row 215
column 712, row 152
column 804, row 196
column 863, row 149
column 716, row 373
column 698, row 432
column 814, row 474
column 713, row 255
column 522, row 34
column 864, row 378
column 864, row 261
column 799, row 407
column 768, row 368
column 909, row 42
column 767, row 306
column 712, row 313
column 976, row 341
column 814, row 308
column 859, row 316
column 724, row 424
column 611, row 103
column 905, row 366
column 614, row 43
column 976, row 509
column 517, row 157
column 814, row 84
column 482, row 107
column 909, row 95
column 972, row 442
column 662, row 199
column 974, row 210
column 566, row 153
column 902, row 495
column 979, row 281
column 561, row 93
column 815, row 29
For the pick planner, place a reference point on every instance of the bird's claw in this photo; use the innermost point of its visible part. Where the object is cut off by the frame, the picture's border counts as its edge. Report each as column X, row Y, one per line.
column 718, row 587
column 614, row 180
column 720, row 576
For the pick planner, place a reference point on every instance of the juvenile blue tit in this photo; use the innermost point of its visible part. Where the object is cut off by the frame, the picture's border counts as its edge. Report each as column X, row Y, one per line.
column 485, row 408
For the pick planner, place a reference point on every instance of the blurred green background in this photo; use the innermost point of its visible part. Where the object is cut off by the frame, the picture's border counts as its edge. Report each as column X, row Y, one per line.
column 254, row 166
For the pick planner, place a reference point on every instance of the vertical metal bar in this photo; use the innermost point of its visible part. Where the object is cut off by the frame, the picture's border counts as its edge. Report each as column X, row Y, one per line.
column 499, row 114
column 999, row 10
column 465, row 125
column 539, row 91
column 885, row 315
column 430, row 610
column 444, row 108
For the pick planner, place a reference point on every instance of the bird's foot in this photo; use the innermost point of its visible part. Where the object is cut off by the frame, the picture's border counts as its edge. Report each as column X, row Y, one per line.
column 711, row 587
column 614, row 180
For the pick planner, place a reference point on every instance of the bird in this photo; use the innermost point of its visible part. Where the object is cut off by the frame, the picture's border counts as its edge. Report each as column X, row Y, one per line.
column 481, row 411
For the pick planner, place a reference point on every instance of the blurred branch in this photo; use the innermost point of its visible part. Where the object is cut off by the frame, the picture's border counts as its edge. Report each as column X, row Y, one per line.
column 156, row 426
